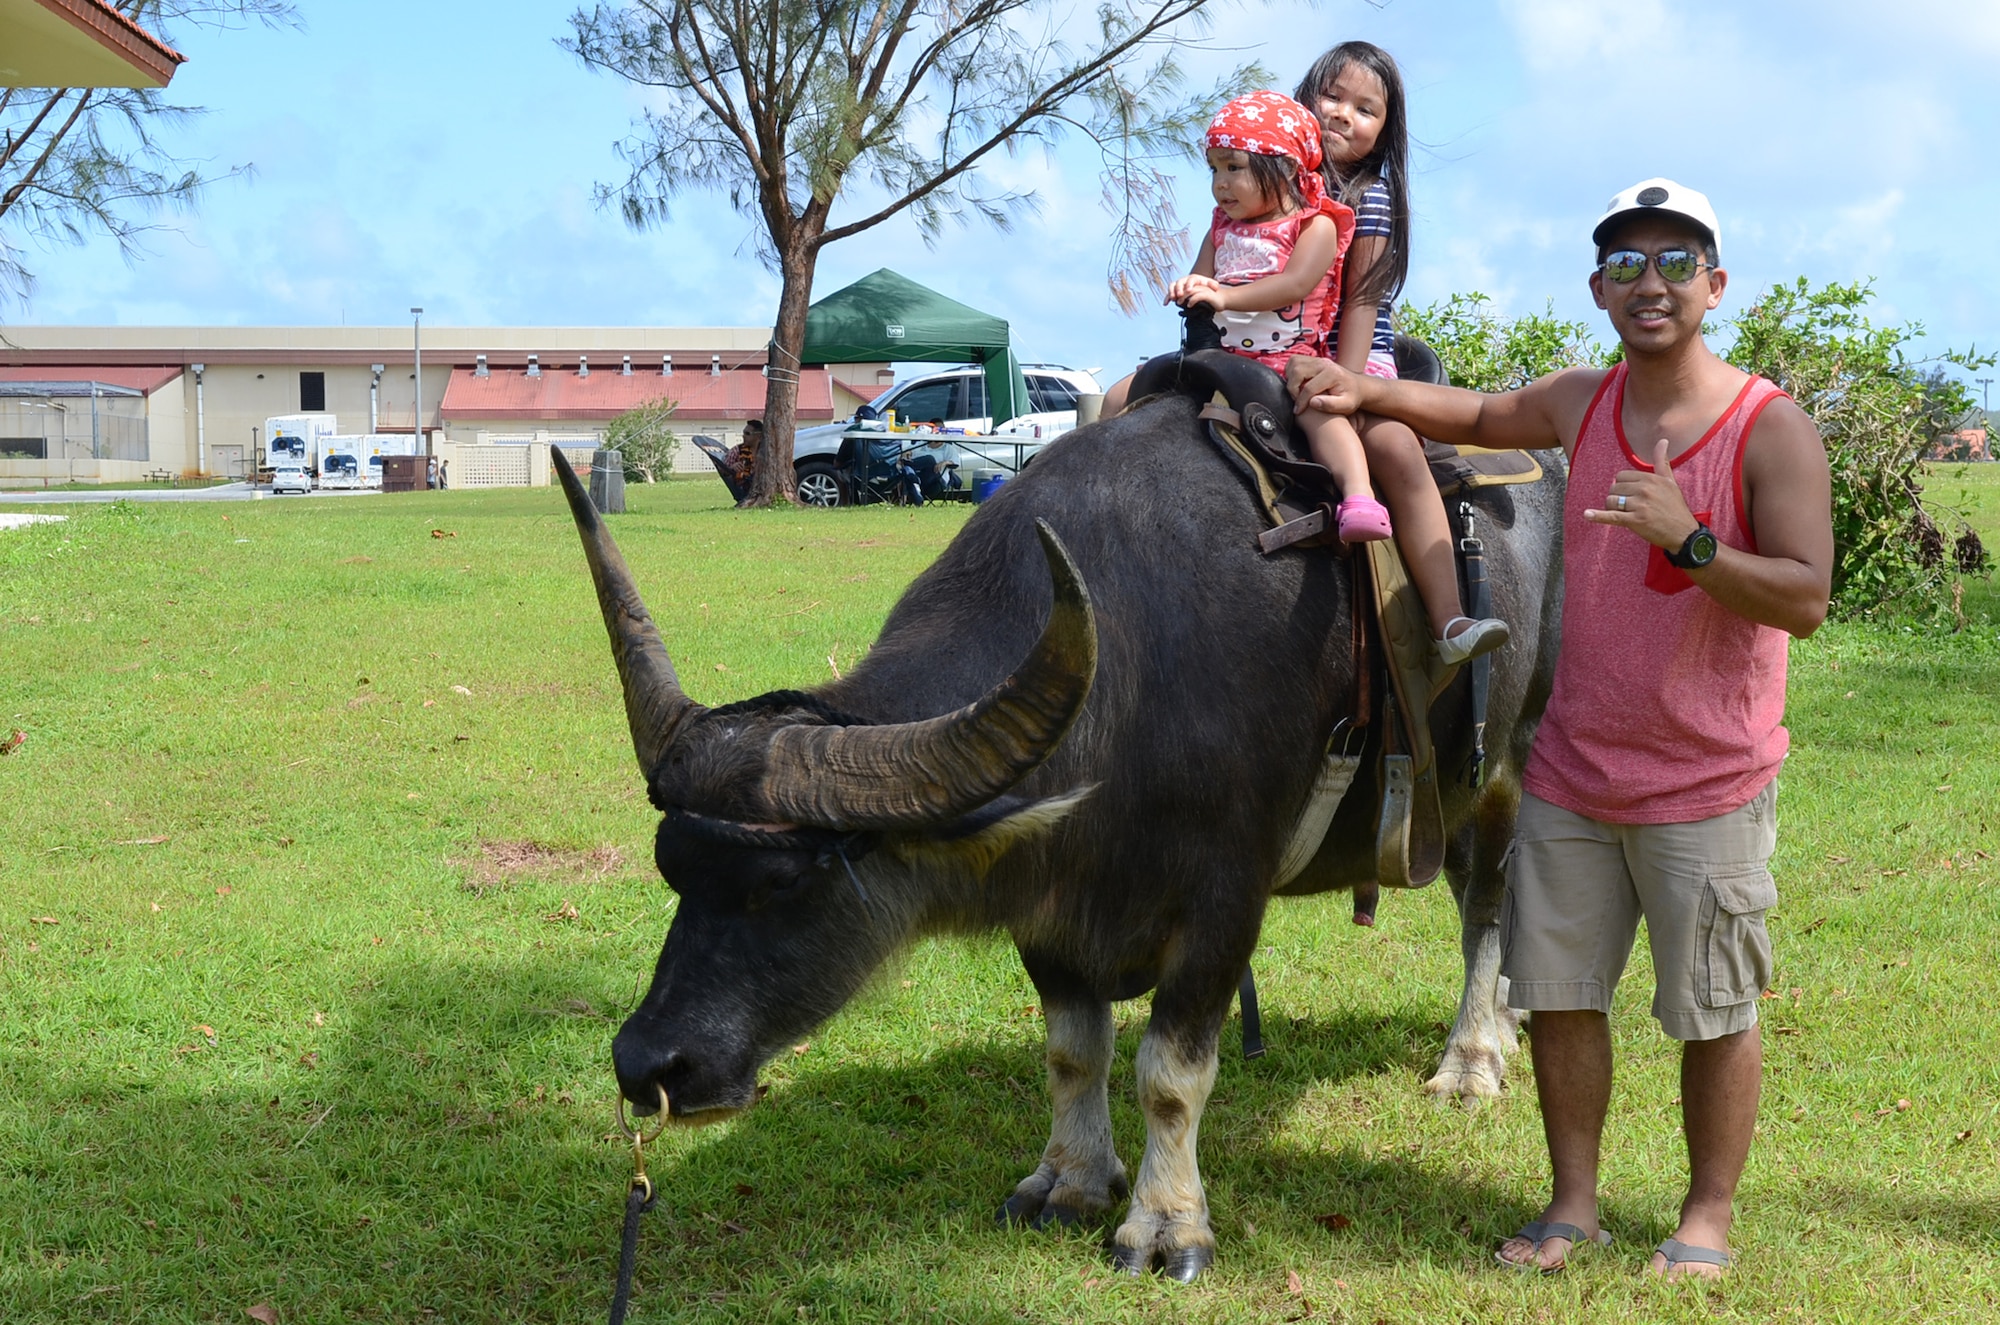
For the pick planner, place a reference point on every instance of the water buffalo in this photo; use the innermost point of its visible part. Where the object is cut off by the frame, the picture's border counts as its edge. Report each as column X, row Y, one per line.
column 1109, row 773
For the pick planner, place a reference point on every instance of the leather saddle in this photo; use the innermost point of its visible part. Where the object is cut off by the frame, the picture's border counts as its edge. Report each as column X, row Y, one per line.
column 1250, row 421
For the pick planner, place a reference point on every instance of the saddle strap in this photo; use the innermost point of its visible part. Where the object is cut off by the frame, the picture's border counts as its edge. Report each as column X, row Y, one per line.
column 1335, row 776
column 1217, row 412
column 1228, row 438
column 1364, row 668
column 1392, row 828
column 1479, row 603
column 1406, row 646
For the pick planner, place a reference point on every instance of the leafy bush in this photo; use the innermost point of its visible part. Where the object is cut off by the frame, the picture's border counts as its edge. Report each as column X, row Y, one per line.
column 1483, row 351
column 641, row 435
column 1878, row 410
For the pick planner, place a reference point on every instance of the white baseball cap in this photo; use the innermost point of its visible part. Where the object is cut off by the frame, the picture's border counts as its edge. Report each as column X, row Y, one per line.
column 1660, row 196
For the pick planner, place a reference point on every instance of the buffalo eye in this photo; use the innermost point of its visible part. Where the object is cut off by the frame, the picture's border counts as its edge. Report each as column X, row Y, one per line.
column 780, row 881
column 767, row 888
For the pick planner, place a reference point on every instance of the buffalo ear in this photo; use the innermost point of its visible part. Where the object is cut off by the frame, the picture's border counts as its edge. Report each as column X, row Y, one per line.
column 978, row 840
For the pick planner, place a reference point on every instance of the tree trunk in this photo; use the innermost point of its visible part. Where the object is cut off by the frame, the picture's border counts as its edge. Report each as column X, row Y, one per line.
column 774, row 481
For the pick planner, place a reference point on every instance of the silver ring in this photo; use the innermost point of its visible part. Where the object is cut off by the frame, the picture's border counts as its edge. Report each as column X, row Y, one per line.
column 1621, row 501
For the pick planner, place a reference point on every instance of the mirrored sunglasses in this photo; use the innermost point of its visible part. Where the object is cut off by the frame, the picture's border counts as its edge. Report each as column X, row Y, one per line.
column 1676, row 265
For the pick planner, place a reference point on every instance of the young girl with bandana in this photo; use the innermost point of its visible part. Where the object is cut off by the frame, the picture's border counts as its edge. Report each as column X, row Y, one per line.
column 1270, row 268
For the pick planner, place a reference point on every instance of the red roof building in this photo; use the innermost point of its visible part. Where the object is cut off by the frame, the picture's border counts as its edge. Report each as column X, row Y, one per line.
column 211, row 390
column 565, row 395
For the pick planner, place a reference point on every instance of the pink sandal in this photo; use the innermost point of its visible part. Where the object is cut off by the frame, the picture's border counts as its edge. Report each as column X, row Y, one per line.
column 1363, row 520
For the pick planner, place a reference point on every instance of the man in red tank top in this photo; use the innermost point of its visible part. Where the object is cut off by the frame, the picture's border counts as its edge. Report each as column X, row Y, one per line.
column 1697, row 538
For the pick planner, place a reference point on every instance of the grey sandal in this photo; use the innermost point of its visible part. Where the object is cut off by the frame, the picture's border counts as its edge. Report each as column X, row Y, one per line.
column 1681, row 1253
column 1540, row 1231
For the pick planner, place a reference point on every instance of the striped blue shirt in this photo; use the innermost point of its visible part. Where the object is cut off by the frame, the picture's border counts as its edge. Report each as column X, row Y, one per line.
column 1373, row 217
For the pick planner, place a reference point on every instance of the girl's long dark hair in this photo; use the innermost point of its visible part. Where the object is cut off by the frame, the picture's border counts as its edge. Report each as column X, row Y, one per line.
column 1389, row 162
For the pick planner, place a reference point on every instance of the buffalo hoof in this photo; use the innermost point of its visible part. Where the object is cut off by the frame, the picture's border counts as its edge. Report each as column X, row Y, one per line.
column 1131, row 1260
column 1470, row 1075
column 1027, row 1212
column 1061, row 1216
column 1185, row 1266
column 1045, row 1199
column 1018, row 1211
column 1179, row 1263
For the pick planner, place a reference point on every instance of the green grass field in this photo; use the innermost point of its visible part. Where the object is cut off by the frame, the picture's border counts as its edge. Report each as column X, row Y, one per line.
column 325, row 876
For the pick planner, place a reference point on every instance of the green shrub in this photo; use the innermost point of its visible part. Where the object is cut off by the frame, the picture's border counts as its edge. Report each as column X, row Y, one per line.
column 1878, row 410
column 1483, row 351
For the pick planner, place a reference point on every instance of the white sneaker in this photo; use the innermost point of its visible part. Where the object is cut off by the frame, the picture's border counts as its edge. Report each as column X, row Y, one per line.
column 1479, row 637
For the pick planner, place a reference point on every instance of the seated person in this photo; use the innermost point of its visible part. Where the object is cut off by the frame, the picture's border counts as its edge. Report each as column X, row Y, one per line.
column 742, row 460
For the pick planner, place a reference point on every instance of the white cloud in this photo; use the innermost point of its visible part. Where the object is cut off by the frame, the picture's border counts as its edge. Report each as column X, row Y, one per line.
column 1563, row 34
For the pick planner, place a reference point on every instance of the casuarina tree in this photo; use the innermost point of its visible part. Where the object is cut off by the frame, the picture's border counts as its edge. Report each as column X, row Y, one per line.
column 78, row 161
column 792, row 107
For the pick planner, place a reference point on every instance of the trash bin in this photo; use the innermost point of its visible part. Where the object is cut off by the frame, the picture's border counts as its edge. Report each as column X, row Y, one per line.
column 403, row 473
column 607, row 482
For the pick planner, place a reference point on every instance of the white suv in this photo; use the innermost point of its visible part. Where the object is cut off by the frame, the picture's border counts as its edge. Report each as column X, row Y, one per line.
column 954, row 398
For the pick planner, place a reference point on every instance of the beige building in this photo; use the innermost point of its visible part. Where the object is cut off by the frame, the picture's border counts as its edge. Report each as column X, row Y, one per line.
column 125, row 403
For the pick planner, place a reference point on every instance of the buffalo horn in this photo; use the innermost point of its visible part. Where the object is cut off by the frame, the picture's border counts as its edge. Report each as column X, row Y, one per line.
column 654, row 704
column 917, row 773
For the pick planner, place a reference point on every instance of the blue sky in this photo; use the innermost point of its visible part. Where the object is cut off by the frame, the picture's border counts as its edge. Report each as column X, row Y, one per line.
column 442, row 153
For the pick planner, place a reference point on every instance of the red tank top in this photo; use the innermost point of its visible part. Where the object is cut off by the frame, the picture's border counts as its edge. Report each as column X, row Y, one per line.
column 1667, row 706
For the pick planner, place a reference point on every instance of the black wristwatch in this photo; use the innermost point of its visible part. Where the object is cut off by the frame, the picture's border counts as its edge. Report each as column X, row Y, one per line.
column 1697, row 551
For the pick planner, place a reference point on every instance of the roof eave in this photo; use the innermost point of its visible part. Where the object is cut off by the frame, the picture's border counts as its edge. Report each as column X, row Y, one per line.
column 141, row 59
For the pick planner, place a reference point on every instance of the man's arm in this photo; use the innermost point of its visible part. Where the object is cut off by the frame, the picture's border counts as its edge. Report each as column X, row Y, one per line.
column 1788, row 500
column 1545, row 413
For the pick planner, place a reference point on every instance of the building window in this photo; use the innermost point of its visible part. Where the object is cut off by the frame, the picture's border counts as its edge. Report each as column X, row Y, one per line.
column 312, row 393
column 23, row 448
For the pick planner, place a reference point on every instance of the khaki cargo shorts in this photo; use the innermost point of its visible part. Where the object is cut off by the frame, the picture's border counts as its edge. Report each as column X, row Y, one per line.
column 1577, row 887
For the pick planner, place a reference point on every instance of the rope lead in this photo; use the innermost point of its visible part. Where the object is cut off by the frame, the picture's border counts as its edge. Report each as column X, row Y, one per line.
column 639, row 1198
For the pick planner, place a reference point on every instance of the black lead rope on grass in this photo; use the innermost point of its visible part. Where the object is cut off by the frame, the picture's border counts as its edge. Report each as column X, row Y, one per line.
column 638, row 1200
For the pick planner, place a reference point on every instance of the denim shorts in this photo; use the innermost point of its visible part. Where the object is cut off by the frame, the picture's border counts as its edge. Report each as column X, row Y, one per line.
column 1577, row 887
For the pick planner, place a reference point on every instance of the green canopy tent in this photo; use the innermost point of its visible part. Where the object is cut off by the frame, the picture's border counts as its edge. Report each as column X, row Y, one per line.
column 887, row 318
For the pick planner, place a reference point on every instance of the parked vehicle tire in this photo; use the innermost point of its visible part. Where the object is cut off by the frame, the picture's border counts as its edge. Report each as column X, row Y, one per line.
column 819, row 484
